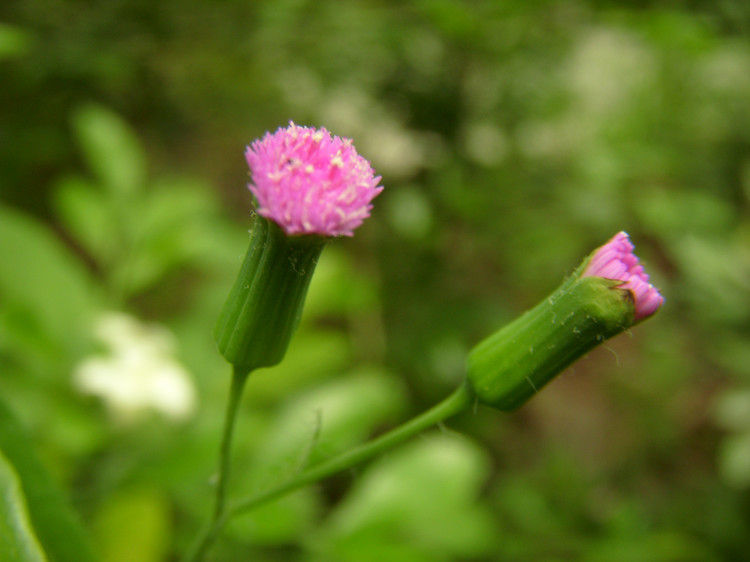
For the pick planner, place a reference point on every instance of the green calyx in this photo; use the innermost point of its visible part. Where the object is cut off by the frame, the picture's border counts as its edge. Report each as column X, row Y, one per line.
column 514, row 363
column 265, row 303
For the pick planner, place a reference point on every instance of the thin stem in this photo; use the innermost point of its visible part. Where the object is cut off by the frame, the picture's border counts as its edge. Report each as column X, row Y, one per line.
column 452, row 405
column 208, row 536
column 235, row 394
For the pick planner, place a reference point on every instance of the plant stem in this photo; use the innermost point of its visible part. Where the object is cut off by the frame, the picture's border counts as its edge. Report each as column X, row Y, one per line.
column 453, row 404
column 208, row 536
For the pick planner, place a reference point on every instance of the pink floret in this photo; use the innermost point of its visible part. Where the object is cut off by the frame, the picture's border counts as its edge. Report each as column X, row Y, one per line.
column 616, row 260
column 310, row 182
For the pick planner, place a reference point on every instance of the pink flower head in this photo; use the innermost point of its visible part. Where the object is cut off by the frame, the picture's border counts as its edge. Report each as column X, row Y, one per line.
column 310, row 182
column 616, row 260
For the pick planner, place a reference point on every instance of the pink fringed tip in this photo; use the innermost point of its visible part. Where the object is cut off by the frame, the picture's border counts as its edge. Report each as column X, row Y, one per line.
column 310, row 182
column 616, row 260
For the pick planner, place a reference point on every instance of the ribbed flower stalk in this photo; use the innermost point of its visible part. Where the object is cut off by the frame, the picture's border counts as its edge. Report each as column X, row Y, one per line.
column 265, row 304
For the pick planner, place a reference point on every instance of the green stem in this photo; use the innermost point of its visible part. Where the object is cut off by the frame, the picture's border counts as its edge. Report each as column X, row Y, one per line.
column 235, row 394
column 208, row 536
column 455, row 403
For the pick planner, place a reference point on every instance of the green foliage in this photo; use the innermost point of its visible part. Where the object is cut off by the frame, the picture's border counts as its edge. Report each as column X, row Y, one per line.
column 137, row 232
column 36, row 263
column 17, row 540
column 513, row 137
column 112, row 151
column 417, row 504
column 312, row 427
column 50, row 518
column 145, row 513
column 327, row 421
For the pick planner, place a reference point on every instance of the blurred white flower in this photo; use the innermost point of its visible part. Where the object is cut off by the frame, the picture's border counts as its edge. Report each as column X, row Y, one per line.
column 138, row 373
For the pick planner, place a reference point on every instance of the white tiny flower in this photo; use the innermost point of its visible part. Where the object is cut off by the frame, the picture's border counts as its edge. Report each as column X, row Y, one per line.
column 138, row 373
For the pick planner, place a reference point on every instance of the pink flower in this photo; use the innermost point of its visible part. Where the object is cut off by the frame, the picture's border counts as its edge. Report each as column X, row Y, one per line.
column 310, row 182
column 616, row 260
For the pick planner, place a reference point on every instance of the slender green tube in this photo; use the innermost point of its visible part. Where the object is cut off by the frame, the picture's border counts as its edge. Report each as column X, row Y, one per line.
column 208, row 536
column 453, row 404
column 235, row 394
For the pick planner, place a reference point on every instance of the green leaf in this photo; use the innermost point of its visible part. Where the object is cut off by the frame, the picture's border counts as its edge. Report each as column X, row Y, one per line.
column 421, row 497
column 314, row 426
column 84, row 210
column 278, row 522
column 177, row 224
column 313, row 355
column 17, row 540
column 134, row 525
column 56, row 525
column 47, row 294
column 111, row 148
column 339, row 288
column 328, row 420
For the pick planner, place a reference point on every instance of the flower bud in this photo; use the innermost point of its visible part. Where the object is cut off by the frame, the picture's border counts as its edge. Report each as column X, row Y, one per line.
column 606, row 295
column 616, row 260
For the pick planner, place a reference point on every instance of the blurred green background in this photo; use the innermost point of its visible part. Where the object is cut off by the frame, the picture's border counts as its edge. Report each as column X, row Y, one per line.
column 513, row 137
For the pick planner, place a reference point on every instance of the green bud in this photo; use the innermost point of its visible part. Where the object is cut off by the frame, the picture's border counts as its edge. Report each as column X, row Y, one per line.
column 265, row 304
column 511, row 365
